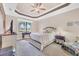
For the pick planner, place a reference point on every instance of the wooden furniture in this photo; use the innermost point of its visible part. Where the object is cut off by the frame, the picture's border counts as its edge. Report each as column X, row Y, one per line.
column 59, row 39
column 26, row 35
column 19, row 36
column 7, row 41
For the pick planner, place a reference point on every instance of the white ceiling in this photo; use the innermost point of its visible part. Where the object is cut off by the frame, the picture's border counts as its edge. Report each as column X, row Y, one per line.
column 25, row 8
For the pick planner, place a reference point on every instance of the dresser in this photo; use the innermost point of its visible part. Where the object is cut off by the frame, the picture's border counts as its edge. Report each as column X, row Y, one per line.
column 7, row 41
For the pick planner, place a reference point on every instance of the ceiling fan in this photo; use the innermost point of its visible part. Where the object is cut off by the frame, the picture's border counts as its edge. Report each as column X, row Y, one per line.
column 37, row 7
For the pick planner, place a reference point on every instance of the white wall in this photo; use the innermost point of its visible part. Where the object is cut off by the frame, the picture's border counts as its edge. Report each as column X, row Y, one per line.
column 35, row 26
column 61, row 21
column 8, row 20
column 16, row 20
column 1, row 23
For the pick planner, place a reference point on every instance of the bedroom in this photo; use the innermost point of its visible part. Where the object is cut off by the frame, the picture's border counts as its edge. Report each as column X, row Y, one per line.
column 58, row 19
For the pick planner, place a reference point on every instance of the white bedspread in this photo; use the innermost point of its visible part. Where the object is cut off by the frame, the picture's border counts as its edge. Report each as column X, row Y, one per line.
column 44, row 38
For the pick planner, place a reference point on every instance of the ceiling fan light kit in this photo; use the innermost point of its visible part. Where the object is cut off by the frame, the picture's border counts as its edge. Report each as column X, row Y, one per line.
column 38, row 7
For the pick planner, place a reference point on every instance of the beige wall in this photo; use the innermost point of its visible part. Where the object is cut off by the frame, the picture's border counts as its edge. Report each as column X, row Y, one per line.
column 8, row 20
column 15, row 25
column 35, row 26
column 1, row 22
column 56, row 21
column 61, row 21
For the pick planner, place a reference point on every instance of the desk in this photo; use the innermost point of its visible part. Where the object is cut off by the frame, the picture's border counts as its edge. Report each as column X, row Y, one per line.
column 28, row 34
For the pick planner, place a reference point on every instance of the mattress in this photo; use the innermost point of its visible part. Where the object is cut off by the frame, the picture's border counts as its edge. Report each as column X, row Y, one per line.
column 42, row 37
column 37, row 36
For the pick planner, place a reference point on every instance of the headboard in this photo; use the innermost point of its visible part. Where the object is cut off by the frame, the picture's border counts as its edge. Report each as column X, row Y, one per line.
column 49, row 29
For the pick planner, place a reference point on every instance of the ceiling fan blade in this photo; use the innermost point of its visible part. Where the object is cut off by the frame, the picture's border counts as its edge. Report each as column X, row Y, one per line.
column 42, row 8
column 36, row 5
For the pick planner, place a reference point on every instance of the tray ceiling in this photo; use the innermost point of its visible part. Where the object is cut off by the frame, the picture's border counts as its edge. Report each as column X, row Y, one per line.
column 26, row 8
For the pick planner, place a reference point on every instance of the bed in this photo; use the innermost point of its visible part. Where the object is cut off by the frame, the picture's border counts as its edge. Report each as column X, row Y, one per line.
column 44, row 39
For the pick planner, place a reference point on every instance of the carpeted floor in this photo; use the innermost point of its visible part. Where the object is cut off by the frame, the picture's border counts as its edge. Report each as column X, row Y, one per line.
column 8, row 51
column 23, row 48
column 51, row 50
column 55, row 50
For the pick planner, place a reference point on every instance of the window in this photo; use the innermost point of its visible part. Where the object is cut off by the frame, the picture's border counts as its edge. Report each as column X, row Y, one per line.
column 28, row 27
column 24, row 26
